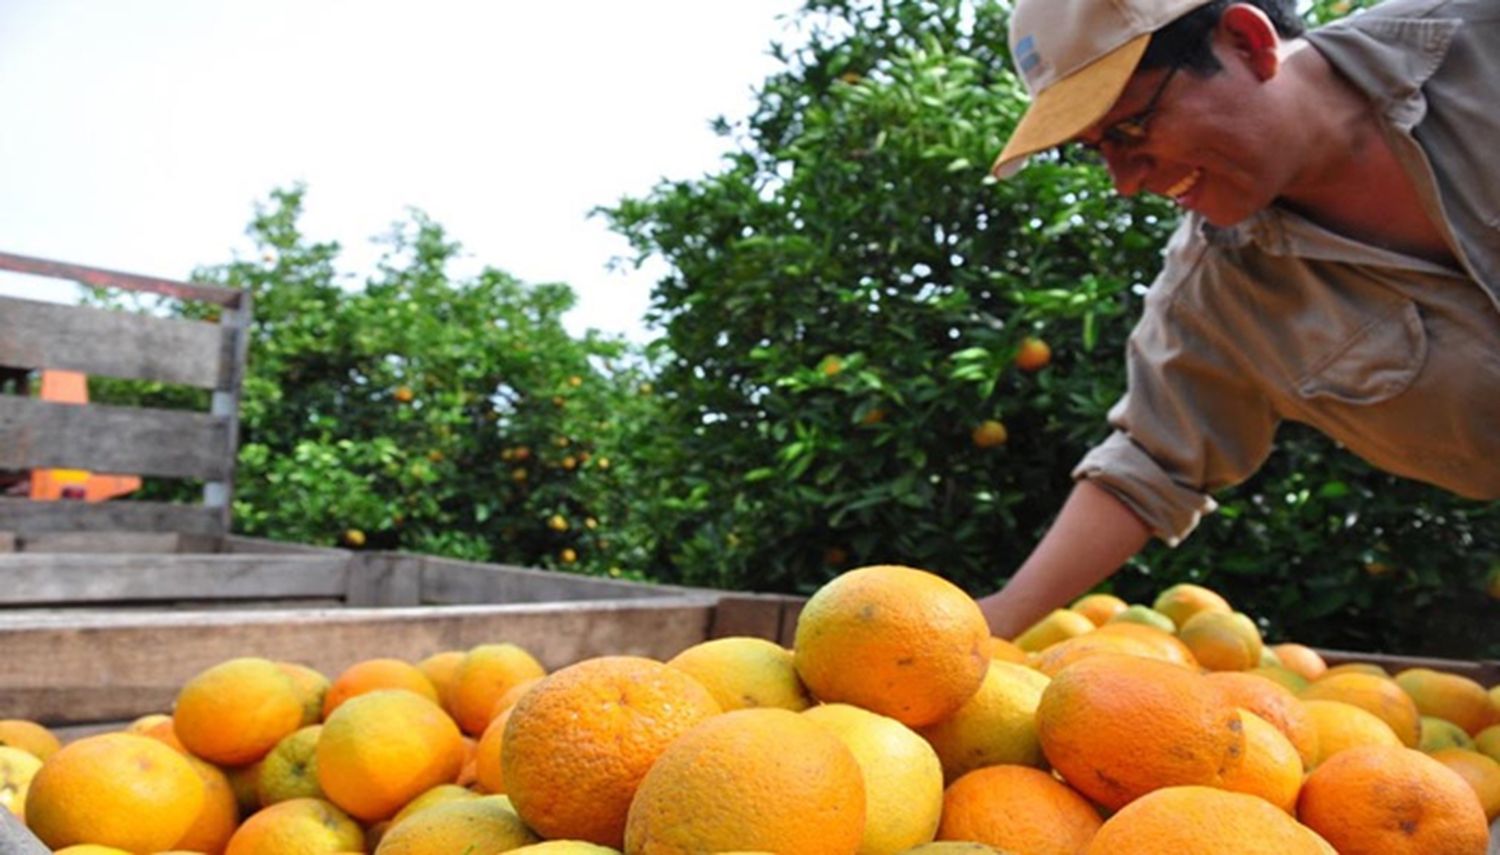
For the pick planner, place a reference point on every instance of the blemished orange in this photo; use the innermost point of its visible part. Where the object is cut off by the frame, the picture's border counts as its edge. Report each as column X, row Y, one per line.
column 1018, row 808
column 903, row 777
column 312, row 686
column 484, row 824
column 1058, row 625
column 441, row 668
column 1271, row 767
column 996, row 726
column 764, row 780
column 1343, row 726
column 895, row 640
column 290, row 770
column 115, row 789
column 1378, row 695
column 1274, row 703
column 1183, row 600
column 743, row 672
column 1480, row 772
column 1117, row 727
column 1099, row 608
column 489, row 775
column 374, row 674
column 1222, row 641
column 578, row 744
column 382, row 749
column 297, row 827
column 1392, row 800
column 1300, row 660
column 1450, row 697
column 234, row 712
column 218, row 818
column 996, row 647
column 487, row 672
column 1194, row 820
column 33, row 738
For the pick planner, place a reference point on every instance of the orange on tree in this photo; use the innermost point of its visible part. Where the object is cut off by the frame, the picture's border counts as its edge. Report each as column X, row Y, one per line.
column 1222, row 641
column 1274, row 703
column 1020, row 809
column 456, row 826
column 1271, row 767
column 1099, row 608
column 1185, row 599
column 1392, row 800
column 382, row 749
column 1481, row 773
column 578, row 744
column 234, row 712
column 895, row 640
column 297, row 827
column 1343, row 726
column 761, row 780
column 372, row 675
column 1117, row 727
column 745, row 672
column 33, row 738
column 996, row 726
column 1033, row 354
column 1378, row 695
column 115, row 789
column 487, row 672
column 990, row 433
column 1451, row 697
column 1196, row 820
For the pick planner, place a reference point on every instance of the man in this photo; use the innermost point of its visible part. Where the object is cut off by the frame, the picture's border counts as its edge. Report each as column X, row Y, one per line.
column 1338, row 262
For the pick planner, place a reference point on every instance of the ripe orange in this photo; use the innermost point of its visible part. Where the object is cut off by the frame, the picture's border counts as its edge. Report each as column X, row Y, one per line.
column 997, row 725
column 1183, row 600
column 1440, row 733
column 1017, row 808
column 489, row 775
column 954, row 847
column 297, row 827
column 1117, row 727
column 578, row 744
column 1162, row 643
column 435, row 796
column 1099, row 608
column 1379, row 695
column 1058, row 625
column 745, row 672
column 765, row 780
column 290, row 770
column 234, row 712
column 382, row 749
column 1222, row 641
column 1450, row 697
column 218, row 818
column 1147, row 616
column 564, row 847
column 1033, row 354
column 1391, row 800
column 1271, row 767
column 115, row 789
column 487, row 672
column 28, row 736
column 1343, row 726
column 1274, row 703
column 1480, row 772
column 1204, row 821
column 996, row 647
column 456, row 826
column 1064, row 653
column 440, row 668
column 1301, row 660
column 311, row 686
column 895, row 640
column 373, row 674
column 17, row 769
column 989, row 433
column 1487, row 742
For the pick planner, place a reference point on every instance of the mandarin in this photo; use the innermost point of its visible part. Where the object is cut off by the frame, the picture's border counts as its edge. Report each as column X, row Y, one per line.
column 1378, row 695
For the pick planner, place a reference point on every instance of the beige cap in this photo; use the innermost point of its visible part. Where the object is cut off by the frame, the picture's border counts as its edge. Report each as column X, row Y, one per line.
column 1076, row 56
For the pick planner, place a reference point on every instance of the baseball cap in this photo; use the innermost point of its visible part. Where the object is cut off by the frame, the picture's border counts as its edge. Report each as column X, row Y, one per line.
column 1075, row 57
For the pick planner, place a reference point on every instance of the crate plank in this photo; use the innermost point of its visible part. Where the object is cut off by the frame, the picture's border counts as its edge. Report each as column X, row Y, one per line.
column 449, row 581
column 98, row 277
column 110, row 343
column 16, row 839
column 385, row 579
column 63, row 578
column 106, row 542
column 1486, row 672
column 23, row 517
column 110, row 667
column 100, row 438
column 756, row 615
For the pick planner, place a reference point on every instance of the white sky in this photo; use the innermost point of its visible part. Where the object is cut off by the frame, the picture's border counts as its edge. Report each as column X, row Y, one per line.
column 137, row 135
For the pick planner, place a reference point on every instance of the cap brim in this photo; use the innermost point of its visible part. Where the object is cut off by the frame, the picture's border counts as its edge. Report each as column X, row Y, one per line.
column 1066, row 108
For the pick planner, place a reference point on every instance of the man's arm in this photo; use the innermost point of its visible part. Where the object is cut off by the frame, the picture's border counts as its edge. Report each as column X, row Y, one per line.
column 1092, row 536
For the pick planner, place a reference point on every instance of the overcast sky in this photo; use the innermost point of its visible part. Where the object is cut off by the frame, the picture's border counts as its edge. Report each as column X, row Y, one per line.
column 139, row 134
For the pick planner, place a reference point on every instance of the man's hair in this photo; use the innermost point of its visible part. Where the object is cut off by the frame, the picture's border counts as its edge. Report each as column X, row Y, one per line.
column 1187, row 41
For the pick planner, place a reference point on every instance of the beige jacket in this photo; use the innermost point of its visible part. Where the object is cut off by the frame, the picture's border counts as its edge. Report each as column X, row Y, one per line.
column 1396, row 358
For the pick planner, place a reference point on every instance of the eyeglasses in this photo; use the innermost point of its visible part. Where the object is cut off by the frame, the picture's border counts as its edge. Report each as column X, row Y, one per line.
column 1131, row 130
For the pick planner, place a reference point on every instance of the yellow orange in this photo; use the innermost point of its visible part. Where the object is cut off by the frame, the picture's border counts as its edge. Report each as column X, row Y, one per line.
column 1271, row 767
column 290, row 770
column 1450, row 697
column 374, row 674
column 456, row 826
column 1181, row 601
column 745, row 672
column 441, row 668
column 219, row 816
column 1066, row 652
column 1481, row 773
column 1162, row 644
column 1058, row 625
column 1033, row 354
column 489, row 774
column 297, row 827
column 1342, row 726
column 1193, row 820
column 28, row 736
column 996, row 726
column 1020, row 809
column 996, row 647
column 311, row 685
column 1487, row 742
column 17, row 769
column 1276, row 705
column 435, row 796
column 564, row 847
column 487, row 672
column 382, row 749
column 1145, row 615
column 1378, row 695
column 1300, row 660
column 1222, row 641
column 234, row 712
column 1099, row 608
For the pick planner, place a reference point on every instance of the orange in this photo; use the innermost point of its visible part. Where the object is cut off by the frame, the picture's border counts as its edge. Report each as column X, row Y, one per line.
column 1300, row 660
column 1066, row 652
column 1204, row 821
column 989, row 434
column 468, row 773
column 1117, row 727
column 1391, row 800
column 1487, row 742
column 1271, row 768
column 1147, row 616
column 1099, row 608
column 28, row 736
column 1033, row 354
column 243, row 780
column 1276, row 705
column 487, row 672
column 435, row 796
column 1285, row 677
column 1355, row 668
column 895, row 640
column 1163, row 644
column 745, row 672
column 1450, row 697
column 488, row 774
column 1058, row 625
column 1343, row 726
column 297, row 827
column 1222, row 641
column 290, row 771
column 234, row 712
column 1181, row 601
column 1018, row 808
column 1480, row 772
column 382, row 749
column 312, row 686
column 996, row 647
column 1439, row 733
column 480, row 825
column 441, row 668
column 954, row 847
column 115, row 789
column 374, row 674
column 764, row 780
column 902, row 775
column 91, row 849
column 218, row 818
column 1379, row 695
column 17, row 769
column 161, row 729
column 513, row 694
column 997, row 725
column 564, row 847
column 577, row 745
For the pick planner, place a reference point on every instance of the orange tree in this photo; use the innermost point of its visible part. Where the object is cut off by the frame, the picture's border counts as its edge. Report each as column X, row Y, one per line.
column 839, row 328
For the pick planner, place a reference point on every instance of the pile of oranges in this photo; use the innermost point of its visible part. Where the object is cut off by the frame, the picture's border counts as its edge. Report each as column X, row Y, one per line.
column 895, row 724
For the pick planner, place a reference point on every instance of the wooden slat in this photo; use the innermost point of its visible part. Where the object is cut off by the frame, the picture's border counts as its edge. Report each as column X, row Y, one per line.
column 136, row 441
column 447, row 581
column 101, row 278
column 112, row 343
column 22, row 517
column 79, row 579
column 385, row 579
column 1484, row 671
column 755, row 615
column 102, row 542
column 120, row 667
column 16, row 839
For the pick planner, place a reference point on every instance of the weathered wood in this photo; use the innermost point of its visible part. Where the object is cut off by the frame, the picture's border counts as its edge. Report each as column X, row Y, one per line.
column 100, row 278
column 240, row 544
column 446, row 581
column 109, row 667
column 755, row 615
column 70, row 579
column 23, row 517
column 1484, row 671
column 16, row 839
column 385, row 579
column 103, row 542
column 108, row 343
column 7, row 541
column 99, row 438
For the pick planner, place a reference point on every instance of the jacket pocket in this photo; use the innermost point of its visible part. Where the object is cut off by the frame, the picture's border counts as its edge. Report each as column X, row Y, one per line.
column 1377, row 363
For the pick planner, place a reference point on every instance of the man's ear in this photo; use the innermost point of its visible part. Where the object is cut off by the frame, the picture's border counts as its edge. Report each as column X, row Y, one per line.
column 1252, row 37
